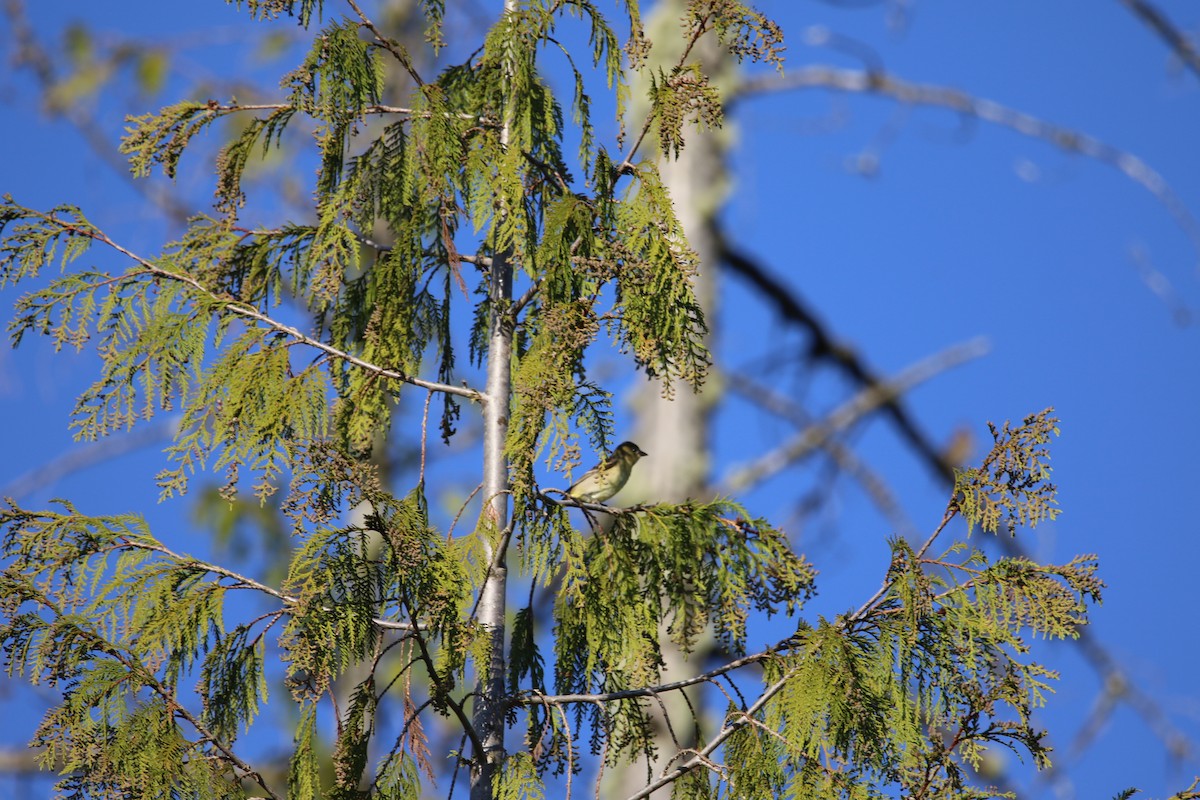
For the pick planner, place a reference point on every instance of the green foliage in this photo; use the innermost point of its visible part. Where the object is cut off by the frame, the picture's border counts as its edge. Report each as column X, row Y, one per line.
column 269, row 9
column 745, row 32
column 103, row 608
column 96, row 606
column 519, row 779
column 161, row 138
column 691, row 567
column 31, row 241
column 916, row 685
column 683, row 95
column 661, row 321
column 231, row 163
column 1013, row 482
column 284, row 352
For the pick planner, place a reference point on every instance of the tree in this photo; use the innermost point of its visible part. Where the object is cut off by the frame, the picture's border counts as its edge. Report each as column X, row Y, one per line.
column 902, row 692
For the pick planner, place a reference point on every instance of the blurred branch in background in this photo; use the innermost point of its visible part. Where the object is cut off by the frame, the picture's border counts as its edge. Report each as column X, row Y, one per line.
column 1067, row 139
column 878, row 393
column 155, row 432
column 1179, row 43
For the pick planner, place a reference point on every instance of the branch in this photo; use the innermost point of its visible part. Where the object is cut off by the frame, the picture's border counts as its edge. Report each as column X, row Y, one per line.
column 377, row 108
column 1158, row 22
column 626, row 164
column 233, row 108
column 31, row 52
column 242, row 582
column 250, row 312
column 842, row 456
column 823, row 346
column 535, row 698
column 468, row 728
column 879, row 393
column 701, row 757
column 78, row 458
column 1068, row 139
column 223, row 751
column 387, row 43
column 490, row 605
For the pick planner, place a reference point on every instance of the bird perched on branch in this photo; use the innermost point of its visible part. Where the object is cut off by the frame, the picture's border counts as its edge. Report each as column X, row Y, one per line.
column 606, row 479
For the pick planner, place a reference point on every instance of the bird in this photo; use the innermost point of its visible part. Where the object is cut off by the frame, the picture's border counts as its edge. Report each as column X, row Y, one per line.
column 606, row 478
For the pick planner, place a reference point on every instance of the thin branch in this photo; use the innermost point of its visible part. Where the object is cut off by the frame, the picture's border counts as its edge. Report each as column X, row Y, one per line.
column 424, row 437
column 534, row 698
column 375, row 108
column 387, row 43
column 1180, row 45
column 861, row 613
column 1068, row 139
column 526, row 298
column 626, row 164
column 880, row 393
column 461, row 510
column 250, row 312
column 44, row 476
column 490, row 604
column 842, row 456
column 823, row 346
column 243, row 582
column 233, row 108
column 468, row 729
column 701, row 757
column 496, row 566
column 224, row 750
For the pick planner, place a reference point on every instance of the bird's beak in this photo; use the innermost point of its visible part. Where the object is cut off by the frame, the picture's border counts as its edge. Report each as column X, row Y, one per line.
column 639, row 451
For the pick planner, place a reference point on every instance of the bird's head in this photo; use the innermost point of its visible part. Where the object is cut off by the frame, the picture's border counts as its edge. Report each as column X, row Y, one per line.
column 628, row 452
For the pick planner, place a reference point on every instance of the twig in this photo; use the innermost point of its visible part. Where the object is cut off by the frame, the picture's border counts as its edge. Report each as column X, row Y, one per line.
column 388, row 43
column 534, row 698
column 702, row 756
column 468, row 728
column 626, row 164
column 244, row 582
column 424, row 436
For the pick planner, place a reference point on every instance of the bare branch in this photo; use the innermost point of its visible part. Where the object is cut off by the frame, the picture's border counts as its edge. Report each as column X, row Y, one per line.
column 1068, row 139
column 1180, row 45
column 869, row 399
column 78, row 458
column 825, row 347
column 842, row 456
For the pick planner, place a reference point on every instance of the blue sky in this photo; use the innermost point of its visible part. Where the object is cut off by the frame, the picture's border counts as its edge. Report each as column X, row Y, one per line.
column 964, row 230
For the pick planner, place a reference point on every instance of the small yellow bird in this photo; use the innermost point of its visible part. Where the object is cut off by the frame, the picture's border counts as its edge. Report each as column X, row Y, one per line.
column 606, row 479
